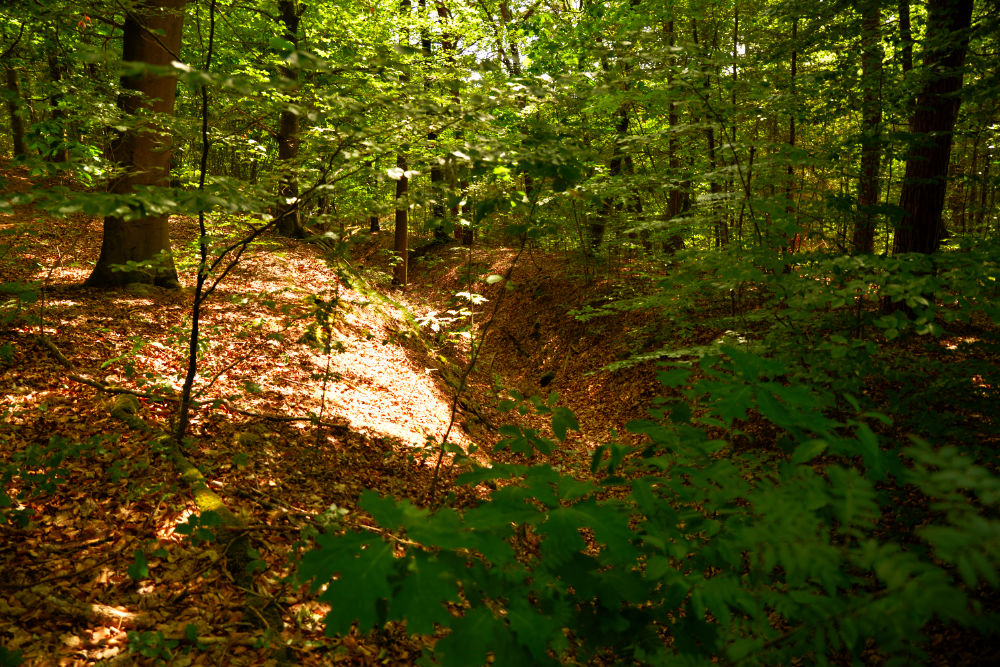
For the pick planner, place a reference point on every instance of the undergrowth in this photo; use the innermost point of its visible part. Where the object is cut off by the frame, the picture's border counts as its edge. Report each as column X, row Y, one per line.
column 794, row 498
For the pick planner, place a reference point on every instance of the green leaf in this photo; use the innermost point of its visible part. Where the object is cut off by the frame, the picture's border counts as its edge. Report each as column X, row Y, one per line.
column 470, row 637
column 742, row 648
column 562, row 532
column 563, row 419
column 533, row 629
column 10, row 658
column 139, row 569
column 734, row 403
column 808, row 450
column 361, row 585
column 279, row 44
column 868, row 444
column 421, row 596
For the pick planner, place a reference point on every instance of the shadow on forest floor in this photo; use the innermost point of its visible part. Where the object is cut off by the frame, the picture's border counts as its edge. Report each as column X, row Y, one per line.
column 105, row 506
column 112, row 497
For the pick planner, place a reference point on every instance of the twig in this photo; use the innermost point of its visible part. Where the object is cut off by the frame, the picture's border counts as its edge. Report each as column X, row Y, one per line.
column 473, row 358
column 114, row 390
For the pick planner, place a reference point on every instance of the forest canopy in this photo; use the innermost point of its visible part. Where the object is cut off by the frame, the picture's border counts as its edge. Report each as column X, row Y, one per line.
column 710, row 287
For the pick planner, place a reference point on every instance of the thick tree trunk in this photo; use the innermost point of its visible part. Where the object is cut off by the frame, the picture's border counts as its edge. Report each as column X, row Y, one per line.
column 290, row 220
column 152, row 36
column 14, row 111
column 871, row 141
column 932, row 124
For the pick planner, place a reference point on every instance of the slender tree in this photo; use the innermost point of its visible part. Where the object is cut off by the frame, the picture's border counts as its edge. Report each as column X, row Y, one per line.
column 290, row 220
column 14, row 111
column 400, row 245
column 871, row 142
column 13, row 94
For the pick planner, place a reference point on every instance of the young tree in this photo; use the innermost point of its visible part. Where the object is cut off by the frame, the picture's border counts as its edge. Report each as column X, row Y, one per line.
column 932, row 125
column 13, row 93
column 152, row 40
column 399, row 276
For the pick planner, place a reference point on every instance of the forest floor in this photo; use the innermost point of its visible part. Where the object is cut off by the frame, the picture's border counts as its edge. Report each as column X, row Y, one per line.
column 100, row 554
column 286, row 434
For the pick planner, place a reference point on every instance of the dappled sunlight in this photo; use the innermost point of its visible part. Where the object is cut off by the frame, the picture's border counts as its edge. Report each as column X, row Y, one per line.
column 250, row 326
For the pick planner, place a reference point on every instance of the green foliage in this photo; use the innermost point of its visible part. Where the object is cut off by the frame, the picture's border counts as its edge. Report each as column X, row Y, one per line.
column 9, row 658
column 139, row 569
column 14, row 297
column 152, row 644
column 746, row 526
column 767, row 556
column 37, row 470
column 201, row 527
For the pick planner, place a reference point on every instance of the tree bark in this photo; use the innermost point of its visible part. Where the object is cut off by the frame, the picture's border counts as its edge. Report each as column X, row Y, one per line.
column 458, row 182
column 438, row 210
column 720, row 226
column 14, row 111
column 399, row 276
column 871, row 131
column 401, row 232
column 59, row 152
column 932, row 124
column 152, row 37
column 905, row 35
column 290, row 220
column 677, row 196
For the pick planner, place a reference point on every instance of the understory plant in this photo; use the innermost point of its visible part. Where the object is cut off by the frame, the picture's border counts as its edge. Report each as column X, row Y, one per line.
column 700, row 545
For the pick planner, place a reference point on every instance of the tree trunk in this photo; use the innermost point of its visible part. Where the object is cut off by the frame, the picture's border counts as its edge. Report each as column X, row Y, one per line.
column 675, row 200
column 290, row 220
column 905, row 35
column 438, row 211
column 58, row 153
column 399, row 276
column 932, row 125
column 720, row 227
column 458, row 184
column 14, row 110
column 598, row 224
column 401, row 232
column 152, row 36
column 871, row 141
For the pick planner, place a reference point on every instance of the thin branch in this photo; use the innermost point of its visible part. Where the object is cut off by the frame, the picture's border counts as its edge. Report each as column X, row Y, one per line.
column 10, row 49
column 474, row 357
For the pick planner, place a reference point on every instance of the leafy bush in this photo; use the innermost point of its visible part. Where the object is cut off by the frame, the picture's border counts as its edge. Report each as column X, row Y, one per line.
column 686, row 547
